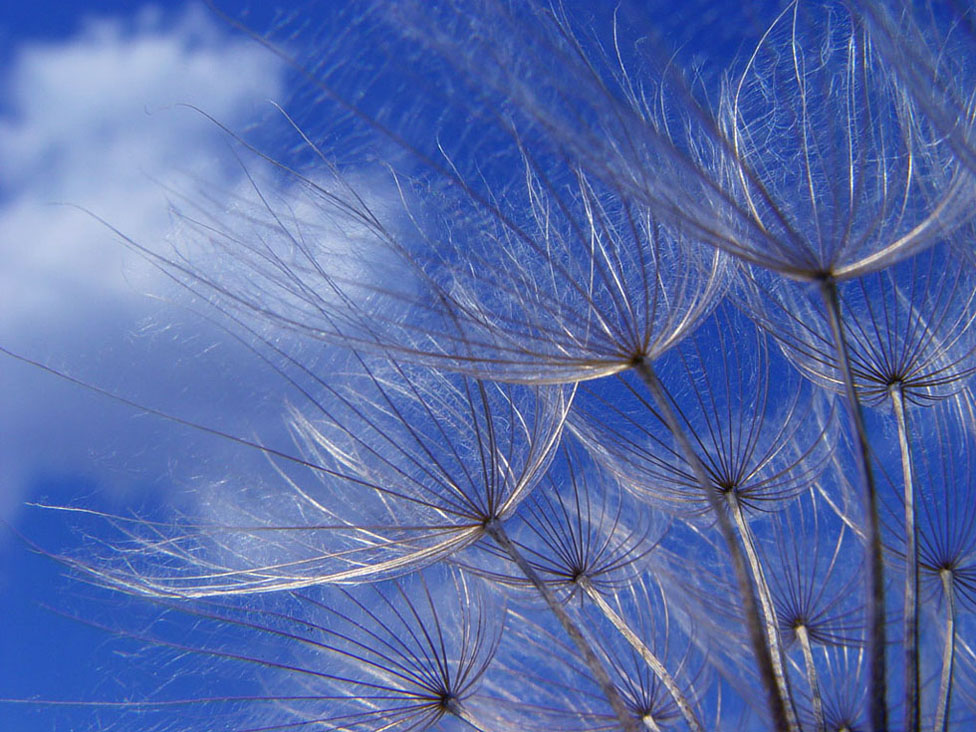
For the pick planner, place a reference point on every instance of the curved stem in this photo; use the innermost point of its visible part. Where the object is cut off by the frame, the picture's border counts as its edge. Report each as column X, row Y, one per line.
column 497, row 532
column 912, row 710
column 877, row 691
column 765, row 597
column 780, row 707
column 653, row 662
column 812, row 680
column 948, row 655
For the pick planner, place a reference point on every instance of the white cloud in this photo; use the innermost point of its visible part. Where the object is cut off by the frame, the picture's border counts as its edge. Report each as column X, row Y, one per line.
column 93, row 121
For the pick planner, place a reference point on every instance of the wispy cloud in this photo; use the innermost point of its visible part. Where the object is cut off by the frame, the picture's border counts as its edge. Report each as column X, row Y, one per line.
column 95, row 122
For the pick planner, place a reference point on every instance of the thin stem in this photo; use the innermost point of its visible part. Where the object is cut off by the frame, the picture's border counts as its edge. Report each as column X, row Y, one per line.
column 877, row 691
column 649, row 722
column 948, row 655
column 653, row 662
column 912, row 707
column 453, row 706
column 781, row 709
column 818, row 714
column 765, row 598
column 496, row 531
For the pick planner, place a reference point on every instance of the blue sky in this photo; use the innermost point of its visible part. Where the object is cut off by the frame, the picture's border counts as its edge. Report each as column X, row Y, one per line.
column 89, row 120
